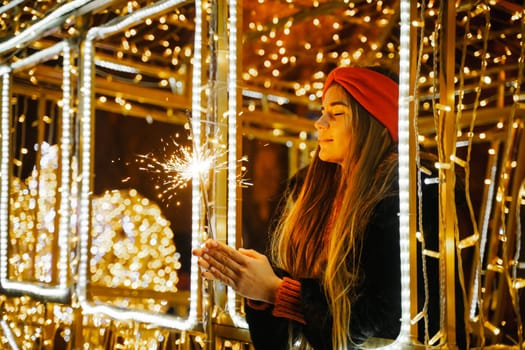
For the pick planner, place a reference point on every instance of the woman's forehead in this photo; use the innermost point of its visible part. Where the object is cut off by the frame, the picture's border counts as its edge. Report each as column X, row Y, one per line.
column 335, row 95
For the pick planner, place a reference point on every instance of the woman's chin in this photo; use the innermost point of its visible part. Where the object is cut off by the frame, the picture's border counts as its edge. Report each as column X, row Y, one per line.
column 327, row 158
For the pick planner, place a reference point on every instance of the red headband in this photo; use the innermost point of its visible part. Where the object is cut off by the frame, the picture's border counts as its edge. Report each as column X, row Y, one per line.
column 376, row 92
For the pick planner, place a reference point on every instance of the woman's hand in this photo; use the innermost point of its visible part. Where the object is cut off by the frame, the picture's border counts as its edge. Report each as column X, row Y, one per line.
column 248, row 272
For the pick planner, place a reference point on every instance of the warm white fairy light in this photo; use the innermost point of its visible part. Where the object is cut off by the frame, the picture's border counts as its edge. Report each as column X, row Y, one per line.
column 54, row 19
column 61, row 290
column 4, row 174
column 10, row 5
column 8, row 333
column 484, row 229
column 196, row 204
column 116, row 66
column 232, row 153
column 86, row 107
column 86, row 96
column 404, row 172
column 38, row 57
column 65, row 184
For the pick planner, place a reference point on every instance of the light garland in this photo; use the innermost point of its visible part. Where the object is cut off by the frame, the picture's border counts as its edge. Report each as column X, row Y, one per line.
column 404, row 169
column 196, row 203
column 4, row 174
column 61, row 291
column 233, row 299
column 53, row 20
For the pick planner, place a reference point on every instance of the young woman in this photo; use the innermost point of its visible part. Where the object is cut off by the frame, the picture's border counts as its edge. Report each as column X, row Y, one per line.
column 334, row 278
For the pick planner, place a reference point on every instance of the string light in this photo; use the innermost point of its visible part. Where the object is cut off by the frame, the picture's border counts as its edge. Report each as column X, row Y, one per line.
column 404, row 172
column 46, row 195
column 233, row 172
column 38, row 28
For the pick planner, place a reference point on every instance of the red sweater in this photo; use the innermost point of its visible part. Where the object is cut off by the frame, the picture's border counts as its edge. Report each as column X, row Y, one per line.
column 287, row 301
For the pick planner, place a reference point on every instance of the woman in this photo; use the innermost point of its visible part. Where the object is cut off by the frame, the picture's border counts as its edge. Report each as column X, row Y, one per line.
column 334, row 279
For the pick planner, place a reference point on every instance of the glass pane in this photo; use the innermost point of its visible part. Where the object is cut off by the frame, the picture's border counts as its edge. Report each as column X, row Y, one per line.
column 140, row 239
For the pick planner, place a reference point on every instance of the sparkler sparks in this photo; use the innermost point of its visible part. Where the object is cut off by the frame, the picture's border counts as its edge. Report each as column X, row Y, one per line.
column 177, row 165
column 189, row 164
column 180, row 164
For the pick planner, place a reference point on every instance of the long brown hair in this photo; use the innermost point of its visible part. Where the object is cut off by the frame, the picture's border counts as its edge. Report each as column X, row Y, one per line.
column 303, row 247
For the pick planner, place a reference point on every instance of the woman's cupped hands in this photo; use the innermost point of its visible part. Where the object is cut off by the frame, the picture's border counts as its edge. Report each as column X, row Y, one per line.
column 247, row 271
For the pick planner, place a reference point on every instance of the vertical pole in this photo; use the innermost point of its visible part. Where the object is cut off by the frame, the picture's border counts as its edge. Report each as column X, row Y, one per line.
column 220, row 117
column 217, row 132
column 237, row 36
column 447, row 150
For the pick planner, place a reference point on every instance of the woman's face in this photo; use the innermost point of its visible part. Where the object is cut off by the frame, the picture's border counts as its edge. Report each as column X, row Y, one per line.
column 333, row 126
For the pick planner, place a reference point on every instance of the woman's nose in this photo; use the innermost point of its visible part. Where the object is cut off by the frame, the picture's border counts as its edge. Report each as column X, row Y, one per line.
column 321, row 122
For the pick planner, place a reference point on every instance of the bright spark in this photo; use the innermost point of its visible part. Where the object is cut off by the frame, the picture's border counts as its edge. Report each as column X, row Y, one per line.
column 187, row 165
column 179, row 164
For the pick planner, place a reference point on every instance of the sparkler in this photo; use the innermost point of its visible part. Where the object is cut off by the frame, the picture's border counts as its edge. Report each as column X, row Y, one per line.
column 177, row 168
column 179, row 164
